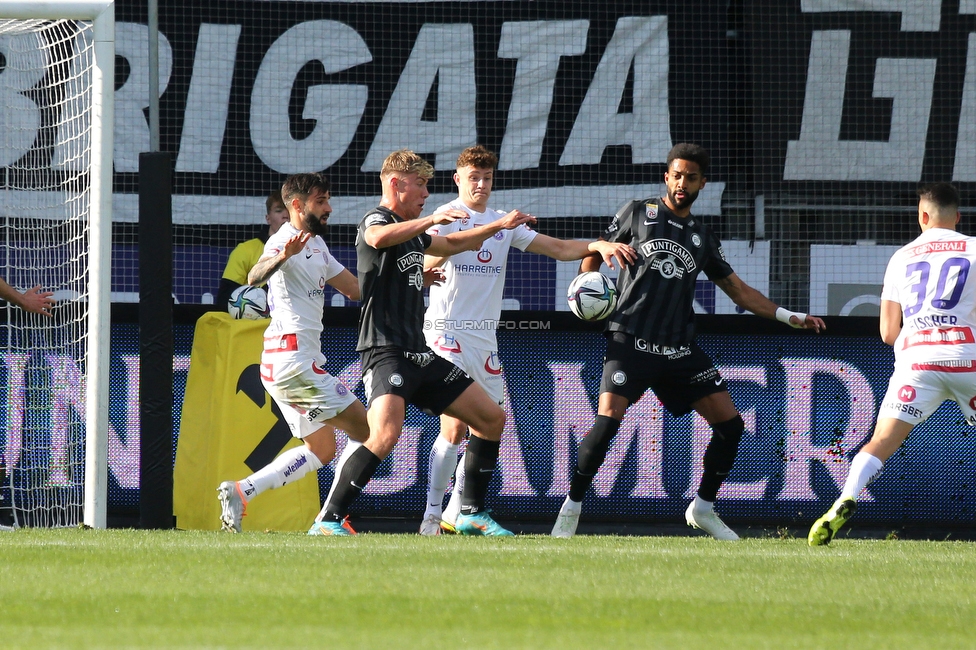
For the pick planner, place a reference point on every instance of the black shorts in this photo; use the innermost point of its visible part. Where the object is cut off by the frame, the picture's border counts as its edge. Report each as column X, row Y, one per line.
column 679, row 376
column 423, row 379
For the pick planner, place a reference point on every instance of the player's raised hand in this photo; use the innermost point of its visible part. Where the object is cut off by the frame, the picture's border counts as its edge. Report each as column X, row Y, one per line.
column 434, row 276
column 297, row 243
column 448, row 216
column 37, row 302
column 611, row 252
column 514, row 219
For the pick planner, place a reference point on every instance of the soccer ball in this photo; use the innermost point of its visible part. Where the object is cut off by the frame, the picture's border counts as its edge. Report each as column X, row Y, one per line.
column 592, row 296
column 248, row 302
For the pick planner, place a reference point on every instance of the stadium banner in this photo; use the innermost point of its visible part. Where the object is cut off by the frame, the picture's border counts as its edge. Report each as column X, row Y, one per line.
column 808, row 401
column 577, row 99
column 871, row 92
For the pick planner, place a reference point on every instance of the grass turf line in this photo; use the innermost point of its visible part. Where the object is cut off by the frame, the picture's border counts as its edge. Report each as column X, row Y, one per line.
column 124, row 588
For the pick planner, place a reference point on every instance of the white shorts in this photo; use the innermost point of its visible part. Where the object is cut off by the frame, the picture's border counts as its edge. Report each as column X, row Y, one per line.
column 306, row 394
column 916, row 391
column 481, row 364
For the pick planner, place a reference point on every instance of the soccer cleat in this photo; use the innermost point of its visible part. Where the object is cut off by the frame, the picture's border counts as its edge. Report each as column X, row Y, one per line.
column 480, row 523
column 709, row 522
column 233, row 506
column 448, row 527
column 567, row 520
column 338, row 528
column 824, row 529
column 431, row 525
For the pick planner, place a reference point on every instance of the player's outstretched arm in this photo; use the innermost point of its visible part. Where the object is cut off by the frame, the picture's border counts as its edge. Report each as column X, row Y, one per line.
column 33, row 300
column 614, row 254
column 391, row 234
column 751, row 300
column 469, row 240
column 346, row 284
column 266, row 266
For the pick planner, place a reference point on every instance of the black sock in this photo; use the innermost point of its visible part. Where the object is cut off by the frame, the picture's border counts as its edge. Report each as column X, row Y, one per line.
column 592, row 451
column 355, row 475
column 719, row 456
column 480, row 460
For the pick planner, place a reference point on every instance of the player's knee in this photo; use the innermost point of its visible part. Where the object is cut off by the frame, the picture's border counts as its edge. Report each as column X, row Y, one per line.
column 322, row 444
column 593, row 448
column 453, row 430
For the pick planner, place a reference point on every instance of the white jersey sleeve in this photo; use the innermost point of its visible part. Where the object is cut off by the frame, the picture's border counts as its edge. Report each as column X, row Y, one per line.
column 522, row 236
column 930, row 279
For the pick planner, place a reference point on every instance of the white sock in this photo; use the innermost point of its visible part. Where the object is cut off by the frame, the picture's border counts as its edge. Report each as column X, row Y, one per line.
column 864, row 469
column 703, row 506
column 287, row 468
column 453, row 508
column 443, row 460
column 351, row 446
column 571, row 506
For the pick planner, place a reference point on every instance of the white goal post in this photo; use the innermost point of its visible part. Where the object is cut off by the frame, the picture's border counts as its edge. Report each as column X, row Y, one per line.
column 35, row 177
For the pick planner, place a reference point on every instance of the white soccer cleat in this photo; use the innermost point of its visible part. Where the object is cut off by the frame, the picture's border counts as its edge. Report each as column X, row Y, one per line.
column 233, row 507
column 431, row 525
column 568, row 519
column 706, row 520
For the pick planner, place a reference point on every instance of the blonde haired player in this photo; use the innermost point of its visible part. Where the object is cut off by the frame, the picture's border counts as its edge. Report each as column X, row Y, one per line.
column 928, row 313
column 459, row 324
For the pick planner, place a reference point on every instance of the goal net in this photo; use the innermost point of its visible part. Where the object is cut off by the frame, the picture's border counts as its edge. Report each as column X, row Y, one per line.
column 55, row 217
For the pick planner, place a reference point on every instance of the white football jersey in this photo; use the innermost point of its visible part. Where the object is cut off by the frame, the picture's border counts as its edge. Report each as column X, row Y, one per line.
column 929, row 278
column 469, row 302
column 296, row 295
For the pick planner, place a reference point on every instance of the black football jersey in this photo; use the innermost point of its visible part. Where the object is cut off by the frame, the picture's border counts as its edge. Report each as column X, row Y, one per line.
column 657, row 292
column 391, row 281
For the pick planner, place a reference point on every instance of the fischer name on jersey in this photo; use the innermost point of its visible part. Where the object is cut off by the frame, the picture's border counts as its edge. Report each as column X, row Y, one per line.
column 296, row 295
column 928, row 278
column 472, row 290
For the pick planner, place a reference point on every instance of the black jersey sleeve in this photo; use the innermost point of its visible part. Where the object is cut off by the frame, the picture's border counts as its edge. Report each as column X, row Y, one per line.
column 620, row 229
column 426, row 240
column 716, row 267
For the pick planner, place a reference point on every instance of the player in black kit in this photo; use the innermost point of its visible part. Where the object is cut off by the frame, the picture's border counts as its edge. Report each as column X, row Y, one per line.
column 651, row 335
column 398, row 367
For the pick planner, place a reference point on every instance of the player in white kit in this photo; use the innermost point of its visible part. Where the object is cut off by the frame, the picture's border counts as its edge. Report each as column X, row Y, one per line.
column 464, row 309
column 297, row 264
column 928, row 313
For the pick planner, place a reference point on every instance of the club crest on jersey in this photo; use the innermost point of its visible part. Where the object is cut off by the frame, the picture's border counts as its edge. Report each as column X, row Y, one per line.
column 650, row 213
column 695, row 240
column 498, row 236
column 416, row 280
column 484, row 256
column 619, row 378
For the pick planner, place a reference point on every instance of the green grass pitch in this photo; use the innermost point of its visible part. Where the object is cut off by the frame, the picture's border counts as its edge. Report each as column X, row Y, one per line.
column 125, row 588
